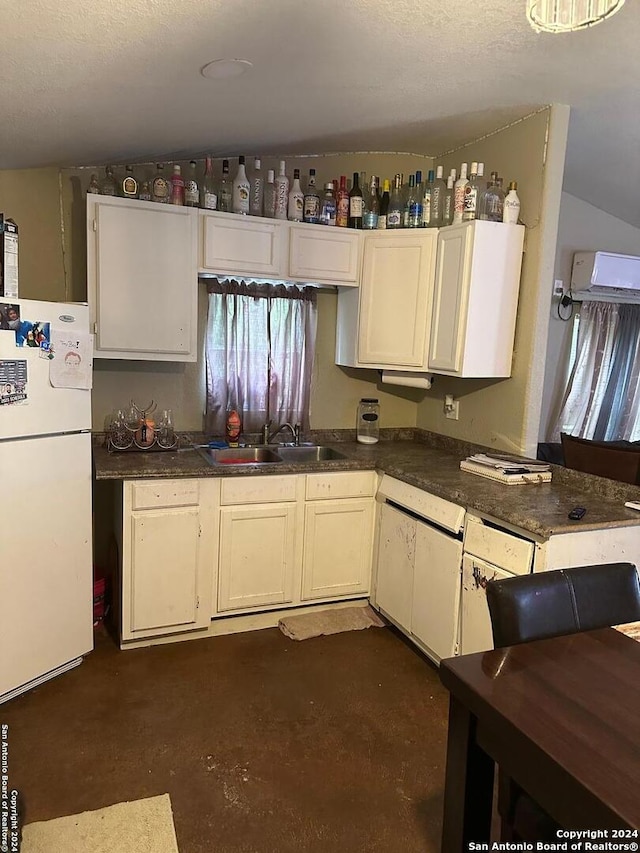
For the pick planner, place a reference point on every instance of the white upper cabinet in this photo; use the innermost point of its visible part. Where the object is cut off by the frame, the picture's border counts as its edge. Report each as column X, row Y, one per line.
column 386, row 324
column 231, row 244
column 475, row 299
column 142, row 279
column 324, row 254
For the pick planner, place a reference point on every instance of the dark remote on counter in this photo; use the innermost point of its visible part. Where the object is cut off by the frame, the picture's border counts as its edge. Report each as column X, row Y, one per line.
column 577, row 513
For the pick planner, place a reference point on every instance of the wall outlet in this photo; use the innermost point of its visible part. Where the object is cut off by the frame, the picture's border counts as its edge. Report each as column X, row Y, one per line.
column 451, row 407
column 558, row 287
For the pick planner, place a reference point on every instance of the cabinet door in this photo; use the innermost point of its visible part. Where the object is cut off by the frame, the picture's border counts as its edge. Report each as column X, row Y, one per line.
column 235, row 244
column 450, row 295
column 337, row 548
column 142, row 279
column 164, row 575
column 318, row 253
column 395, row 298
column 394, row 565
column 436, row 590
column 475, row 622
column 257, row 556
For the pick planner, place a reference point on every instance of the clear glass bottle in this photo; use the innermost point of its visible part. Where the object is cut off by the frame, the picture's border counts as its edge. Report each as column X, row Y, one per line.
column 177, row 186
column 108, row 185
column 270, row 195
column 511, row 208
column 484, row 200
column 160, row 187
column 438, row 190
column 94, row 186
column 311, row 207
column 372, row 206
column 145, row 192
column 355, row 203
column 191, row 188
column 384, row 205
column 471, row 195
column 415, row 203
column 447, row 210
column 256, row 197
column 241, row 190
column 282, row 192
column 328, row 205
column 295, row 202
column 368, row 421
column 165, row 433
column 225, row 189
column 342, row 200
column 209, row 200
column 396, row 206
column 459, row 190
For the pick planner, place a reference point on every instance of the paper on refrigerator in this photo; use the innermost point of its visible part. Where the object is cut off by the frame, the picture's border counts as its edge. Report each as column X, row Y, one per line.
column 72, row 362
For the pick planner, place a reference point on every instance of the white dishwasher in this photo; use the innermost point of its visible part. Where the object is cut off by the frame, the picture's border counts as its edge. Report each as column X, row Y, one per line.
column 490, row 553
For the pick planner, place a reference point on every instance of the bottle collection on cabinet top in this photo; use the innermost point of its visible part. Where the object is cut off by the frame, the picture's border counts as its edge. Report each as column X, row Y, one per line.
column 361, row 203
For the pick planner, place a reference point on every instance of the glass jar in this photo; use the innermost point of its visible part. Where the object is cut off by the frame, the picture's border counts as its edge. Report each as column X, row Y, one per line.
column 368, row 424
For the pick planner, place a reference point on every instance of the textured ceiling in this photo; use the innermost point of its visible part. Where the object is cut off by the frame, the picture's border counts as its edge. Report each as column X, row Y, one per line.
column 90, row 83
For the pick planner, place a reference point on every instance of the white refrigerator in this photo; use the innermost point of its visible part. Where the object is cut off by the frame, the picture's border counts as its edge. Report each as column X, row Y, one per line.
column 46, row 578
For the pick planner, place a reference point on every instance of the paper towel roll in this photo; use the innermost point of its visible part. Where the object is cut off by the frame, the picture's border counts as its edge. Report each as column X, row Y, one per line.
column 407, row 379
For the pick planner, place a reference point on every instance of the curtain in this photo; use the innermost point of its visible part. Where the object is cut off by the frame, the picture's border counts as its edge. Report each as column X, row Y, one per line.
column 260, row 346
column 602, row 398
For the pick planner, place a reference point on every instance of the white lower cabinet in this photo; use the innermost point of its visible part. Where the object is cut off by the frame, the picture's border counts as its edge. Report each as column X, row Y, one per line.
column 166, row 549
column 257, row 556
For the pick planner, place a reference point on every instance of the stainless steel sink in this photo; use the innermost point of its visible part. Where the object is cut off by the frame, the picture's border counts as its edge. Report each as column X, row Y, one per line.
column 240, row 455
column 312, row 453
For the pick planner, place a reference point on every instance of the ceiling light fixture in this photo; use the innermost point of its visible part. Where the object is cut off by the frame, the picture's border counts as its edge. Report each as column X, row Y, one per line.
column 223, row 69
column 565, row 16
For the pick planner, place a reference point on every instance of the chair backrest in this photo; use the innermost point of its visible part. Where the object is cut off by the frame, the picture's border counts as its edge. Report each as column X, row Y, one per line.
column 564, row 601
column 602, row 458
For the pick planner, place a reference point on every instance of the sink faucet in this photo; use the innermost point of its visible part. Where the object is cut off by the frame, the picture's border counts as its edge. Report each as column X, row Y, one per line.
column 267, row 437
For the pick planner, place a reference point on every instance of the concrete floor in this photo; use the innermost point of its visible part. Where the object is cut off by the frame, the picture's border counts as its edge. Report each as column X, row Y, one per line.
column 266, row 745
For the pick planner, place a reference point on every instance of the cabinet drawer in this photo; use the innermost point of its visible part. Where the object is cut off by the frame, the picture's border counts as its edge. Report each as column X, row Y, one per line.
column 435, row 509
column 347, row 484
column 498, row 547
column 258, row 490
column 323, row 254
column 152, row 494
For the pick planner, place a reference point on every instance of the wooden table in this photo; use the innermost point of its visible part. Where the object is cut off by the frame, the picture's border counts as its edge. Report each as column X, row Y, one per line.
column 561, row 717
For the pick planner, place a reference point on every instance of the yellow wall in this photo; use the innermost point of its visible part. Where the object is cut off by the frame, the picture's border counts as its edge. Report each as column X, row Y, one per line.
column 505, row 413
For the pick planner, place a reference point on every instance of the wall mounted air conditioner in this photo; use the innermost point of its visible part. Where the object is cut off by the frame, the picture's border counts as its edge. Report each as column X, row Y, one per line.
column 605, row 277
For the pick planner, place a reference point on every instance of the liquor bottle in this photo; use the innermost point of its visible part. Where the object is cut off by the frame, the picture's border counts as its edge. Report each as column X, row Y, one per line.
column 414, row 204
column 408, row 198
column 241, row 190
column 209, row 189
column 256, row 197
column 270, row 195
column 191, row 188
column 328, row 206
column 160, row 187
column 458, row 194
column 355, row 204
column 438, row 190
column 282, row 192
column 311, row 206
column 108, row 185
column 129, row 185
column 177, row 186
column 295, row 203
column 511, row 209
column 471, row 195
column 94, row 186
column 384, row 205
column 342, row 198
column 225, row 189
column 396, row 206
column 447, row 209
column 145, row 192
column 372, row 214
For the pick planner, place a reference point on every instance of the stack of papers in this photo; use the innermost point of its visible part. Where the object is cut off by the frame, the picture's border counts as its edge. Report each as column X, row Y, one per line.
column 507, row 469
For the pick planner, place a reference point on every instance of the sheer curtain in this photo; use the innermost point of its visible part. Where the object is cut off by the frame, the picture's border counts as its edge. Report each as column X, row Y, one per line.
column 260, row 345
column 602, row 399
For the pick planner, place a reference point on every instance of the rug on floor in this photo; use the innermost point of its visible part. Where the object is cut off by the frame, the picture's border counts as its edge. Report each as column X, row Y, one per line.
column 141, row 826
column 307, row 625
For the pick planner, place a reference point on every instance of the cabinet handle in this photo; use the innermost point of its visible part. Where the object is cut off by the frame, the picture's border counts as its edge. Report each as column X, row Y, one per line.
column 481, row 580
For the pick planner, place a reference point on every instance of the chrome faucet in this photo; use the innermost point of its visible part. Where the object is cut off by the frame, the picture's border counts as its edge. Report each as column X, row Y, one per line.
column 267, row 437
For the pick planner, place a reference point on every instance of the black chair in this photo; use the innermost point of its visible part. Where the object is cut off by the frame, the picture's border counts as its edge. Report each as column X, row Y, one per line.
column 553, row 604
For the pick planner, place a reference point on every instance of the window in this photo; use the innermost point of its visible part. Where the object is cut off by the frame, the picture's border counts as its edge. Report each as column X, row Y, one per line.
column 260, row 345
column 602, row 398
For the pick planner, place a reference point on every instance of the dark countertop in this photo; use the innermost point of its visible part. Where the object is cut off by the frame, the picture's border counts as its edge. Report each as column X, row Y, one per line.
column 424, row 460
